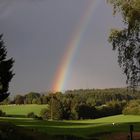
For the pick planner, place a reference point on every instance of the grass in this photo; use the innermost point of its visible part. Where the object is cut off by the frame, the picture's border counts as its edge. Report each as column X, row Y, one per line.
column 114, row 119
column 21, row 110
column 78, row 128
column 83, row 128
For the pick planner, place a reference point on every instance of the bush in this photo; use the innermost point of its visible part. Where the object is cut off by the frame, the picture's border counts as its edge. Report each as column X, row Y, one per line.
column 132, row 108
column 45, row 113
column 38, row 118
column 2, row 114
column 85, row 111
column 31, row 115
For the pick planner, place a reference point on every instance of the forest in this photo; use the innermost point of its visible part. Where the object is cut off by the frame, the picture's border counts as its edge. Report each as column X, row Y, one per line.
column 82, row 103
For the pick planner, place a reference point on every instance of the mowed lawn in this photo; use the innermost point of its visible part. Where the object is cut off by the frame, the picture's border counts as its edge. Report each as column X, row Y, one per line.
column 82, row 128
column 22, row 110
column 78, row 128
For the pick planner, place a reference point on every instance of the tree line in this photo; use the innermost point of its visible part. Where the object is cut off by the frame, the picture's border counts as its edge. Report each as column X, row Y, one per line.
column 78, row 104
column 95, row 97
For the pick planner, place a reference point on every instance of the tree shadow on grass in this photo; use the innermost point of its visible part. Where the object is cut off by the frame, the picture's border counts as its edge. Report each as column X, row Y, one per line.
column 66, row 130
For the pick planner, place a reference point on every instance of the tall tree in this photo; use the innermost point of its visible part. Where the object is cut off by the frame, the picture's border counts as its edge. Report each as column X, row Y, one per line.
column 127, row 40
column 6, row 72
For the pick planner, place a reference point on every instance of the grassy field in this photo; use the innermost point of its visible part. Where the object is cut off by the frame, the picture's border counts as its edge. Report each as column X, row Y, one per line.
column 83, row 128
column 21, row 110
column 76, row 128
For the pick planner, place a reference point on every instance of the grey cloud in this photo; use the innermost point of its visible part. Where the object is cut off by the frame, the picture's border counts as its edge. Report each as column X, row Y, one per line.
column 6, row 5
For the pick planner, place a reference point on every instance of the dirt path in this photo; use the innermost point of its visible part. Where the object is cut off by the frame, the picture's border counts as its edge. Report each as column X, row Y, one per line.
column 123, row 136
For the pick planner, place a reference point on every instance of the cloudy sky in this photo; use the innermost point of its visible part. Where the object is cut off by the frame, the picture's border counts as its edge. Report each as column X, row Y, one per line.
column 37, row 32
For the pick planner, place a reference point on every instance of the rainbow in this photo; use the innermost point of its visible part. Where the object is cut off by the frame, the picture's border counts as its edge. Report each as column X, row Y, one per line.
column 66, row 61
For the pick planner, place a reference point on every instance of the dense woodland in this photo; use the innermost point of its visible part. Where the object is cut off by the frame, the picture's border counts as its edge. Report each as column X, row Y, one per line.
column 79, row 104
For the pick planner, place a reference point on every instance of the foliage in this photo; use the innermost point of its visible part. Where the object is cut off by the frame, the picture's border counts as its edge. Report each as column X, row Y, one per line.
column 93, row 97
column 6, row 74
column 19, row 99
column 77, row 104
column 31, row 97
column 109, row 109
column 5, row 101
column 127, row 40
column 74, row 104
column 85, row 111
column 2, row 114
column 132, row 108
column 31, row 115
column 95, row 103
column 56, row 109
column 45, row 113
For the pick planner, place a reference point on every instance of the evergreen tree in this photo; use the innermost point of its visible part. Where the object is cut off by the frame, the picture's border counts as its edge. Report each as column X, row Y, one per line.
column 6, row 72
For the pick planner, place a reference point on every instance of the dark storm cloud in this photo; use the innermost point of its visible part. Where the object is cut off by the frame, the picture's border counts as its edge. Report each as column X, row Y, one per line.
column 37, row 33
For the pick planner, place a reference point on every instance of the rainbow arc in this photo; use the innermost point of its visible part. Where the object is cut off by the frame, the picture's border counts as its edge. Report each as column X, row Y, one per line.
column 73, row 45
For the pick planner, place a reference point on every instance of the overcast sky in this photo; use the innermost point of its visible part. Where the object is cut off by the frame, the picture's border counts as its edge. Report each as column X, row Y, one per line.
column 37, row 32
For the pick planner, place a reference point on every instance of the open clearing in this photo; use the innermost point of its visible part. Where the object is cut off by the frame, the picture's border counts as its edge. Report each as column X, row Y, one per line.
column 22, row 110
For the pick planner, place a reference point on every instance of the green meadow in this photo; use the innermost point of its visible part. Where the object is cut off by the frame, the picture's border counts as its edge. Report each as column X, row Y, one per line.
column 86, row 129
column 81, row 128
column 22, row 110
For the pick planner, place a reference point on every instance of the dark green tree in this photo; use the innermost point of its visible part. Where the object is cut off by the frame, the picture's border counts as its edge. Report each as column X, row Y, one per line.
column 132, row 108
column 85, row 111
column 57, row 110
column 29, row 98
column 127, row 39
column 19, row 99
column 45, row 113
column 6, row 72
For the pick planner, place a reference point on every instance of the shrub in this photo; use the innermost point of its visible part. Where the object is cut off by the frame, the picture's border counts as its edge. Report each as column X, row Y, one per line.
column 45, row 113
column 2, row 114
column 132, row 108
column 31, row 115
column 38, row 118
